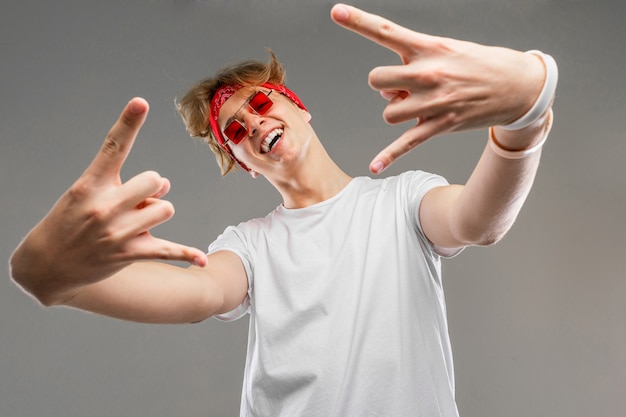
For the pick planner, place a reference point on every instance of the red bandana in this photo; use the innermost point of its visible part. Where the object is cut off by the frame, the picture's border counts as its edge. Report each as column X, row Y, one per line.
column 224, row 93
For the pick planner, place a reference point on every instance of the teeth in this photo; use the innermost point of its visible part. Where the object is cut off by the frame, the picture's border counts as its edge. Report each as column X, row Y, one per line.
column 270, row 140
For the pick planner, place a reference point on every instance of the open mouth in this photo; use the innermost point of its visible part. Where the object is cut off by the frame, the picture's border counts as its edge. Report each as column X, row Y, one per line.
column 270, row 140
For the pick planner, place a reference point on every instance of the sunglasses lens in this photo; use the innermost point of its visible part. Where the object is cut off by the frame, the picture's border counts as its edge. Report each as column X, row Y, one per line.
column 260, row 103
column 235, row 131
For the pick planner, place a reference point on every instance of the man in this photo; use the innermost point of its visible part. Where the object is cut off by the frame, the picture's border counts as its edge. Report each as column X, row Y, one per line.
column 342, row 281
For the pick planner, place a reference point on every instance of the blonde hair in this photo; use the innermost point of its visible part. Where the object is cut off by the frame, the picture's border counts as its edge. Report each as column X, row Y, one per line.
column 194, row 106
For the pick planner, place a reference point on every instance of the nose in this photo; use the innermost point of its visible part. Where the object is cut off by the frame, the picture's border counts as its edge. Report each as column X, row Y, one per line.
column 253, row 121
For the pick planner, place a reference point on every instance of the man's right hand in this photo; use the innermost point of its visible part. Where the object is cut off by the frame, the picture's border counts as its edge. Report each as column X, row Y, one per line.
column 100, row 225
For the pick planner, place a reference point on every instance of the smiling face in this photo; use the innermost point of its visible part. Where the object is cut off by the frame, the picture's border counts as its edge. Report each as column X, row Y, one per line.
column 268, row 135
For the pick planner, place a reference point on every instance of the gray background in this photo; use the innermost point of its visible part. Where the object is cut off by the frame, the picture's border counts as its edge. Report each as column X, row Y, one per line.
column 537, row 321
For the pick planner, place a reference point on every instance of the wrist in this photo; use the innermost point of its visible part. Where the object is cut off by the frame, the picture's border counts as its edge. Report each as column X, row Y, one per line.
column 31, row 269
column 545, row 98
column 517, row 144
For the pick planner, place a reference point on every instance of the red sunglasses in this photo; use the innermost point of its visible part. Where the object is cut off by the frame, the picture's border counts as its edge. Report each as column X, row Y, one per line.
column 235, row 131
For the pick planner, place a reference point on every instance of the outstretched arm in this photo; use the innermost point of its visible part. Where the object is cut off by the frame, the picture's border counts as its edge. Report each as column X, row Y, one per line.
column 447, row 85
column 154, row 292
column 86, row 251
column 482, row 211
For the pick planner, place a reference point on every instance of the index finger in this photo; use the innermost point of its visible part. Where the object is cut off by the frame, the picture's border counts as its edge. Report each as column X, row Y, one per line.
column 378, row 29
column 119, row 140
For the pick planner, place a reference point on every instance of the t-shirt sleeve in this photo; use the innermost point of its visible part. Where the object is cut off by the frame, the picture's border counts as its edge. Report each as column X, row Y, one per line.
column 233, row 240
column 417, row 184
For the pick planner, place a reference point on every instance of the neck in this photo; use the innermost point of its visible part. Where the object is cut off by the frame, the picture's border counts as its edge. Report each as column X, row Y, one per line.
column 311, row 183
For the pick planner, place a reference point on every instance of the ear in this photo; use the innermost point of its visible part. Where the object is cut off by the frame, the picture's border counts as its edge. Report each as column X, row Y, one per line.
column 307, row 115
column 253, row 173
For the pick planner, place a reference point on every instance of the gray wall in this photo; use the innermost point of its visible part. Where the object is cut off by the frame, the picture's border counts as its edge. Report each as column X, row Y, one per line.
column 538, row 322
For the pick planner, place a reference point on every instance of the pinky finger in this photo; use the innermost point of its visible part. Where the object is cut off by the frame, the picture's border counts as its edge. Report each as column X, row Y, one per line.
column 183, row 253
column 148, row 247
column 408, row 141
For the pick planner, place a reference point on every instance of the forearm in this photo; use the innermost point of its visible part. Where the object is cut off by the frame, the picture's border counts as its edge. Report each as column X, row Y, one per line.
column 494, row 194
column 138, row 292
column 148, row 292
column 152, row 292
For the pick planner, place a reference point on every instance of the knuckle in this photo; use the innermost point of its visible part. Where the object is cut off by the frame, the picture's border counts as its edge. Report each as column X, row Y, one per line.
column 112, row 144
column 389, row 116
column 162, row 210
column 153, row 179
column 99, row 214
column 393, row 115
column 163, row 253
column 408, row 145
column 111, row 235
column 129, row 251
column 167, row 209
column 386, row 29
column 79, row 190
column 429, row 78
column 167, row 252
column 452, row 118
column 374, row 77
column 440, row 44
column 430, row 75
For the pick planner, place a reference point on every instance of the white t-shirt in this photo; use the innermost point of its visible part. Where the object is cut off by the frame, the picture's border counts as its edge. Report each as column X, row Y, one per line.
column 347, row 311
